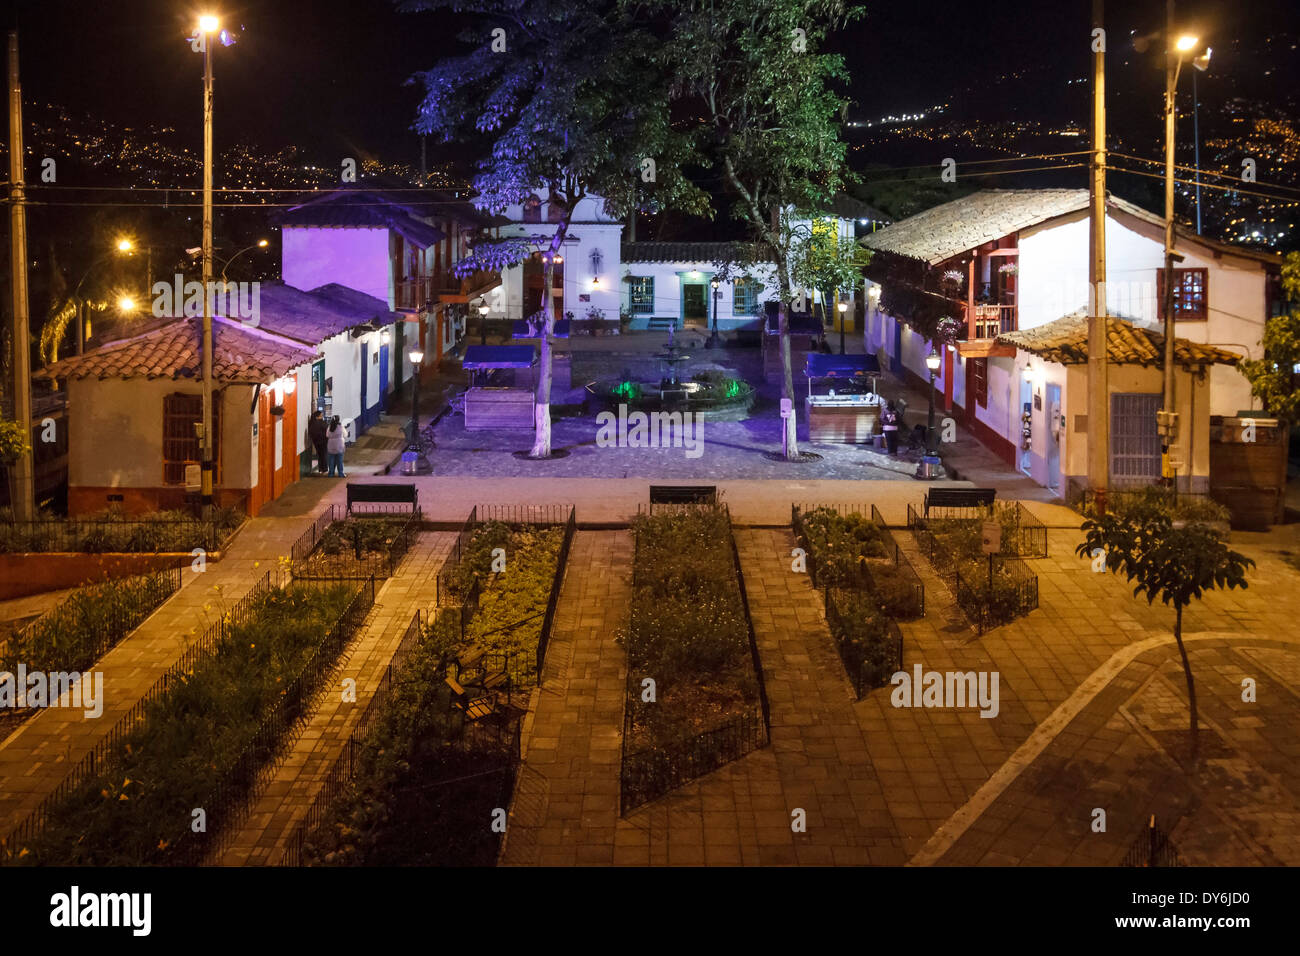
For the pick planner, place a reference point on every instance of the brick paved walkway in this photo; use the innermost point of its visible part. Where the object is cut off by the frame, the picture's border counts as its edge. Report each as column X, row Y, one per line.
column 36, row 758
column 286, row 798
column 565, row 807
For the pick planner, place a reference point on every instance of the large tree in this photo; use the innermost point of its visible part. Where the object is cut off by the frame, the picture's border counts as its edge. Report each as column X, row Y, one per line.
column 754, row 75
column 567, row 100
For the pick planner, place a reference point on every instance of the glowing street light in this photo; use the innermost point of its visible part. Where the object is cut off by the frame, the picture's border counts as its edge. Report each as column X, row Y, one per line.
column 414, row 460
column 209, row 23
column 1186, row 42
column 126, row 304
column 125, row 245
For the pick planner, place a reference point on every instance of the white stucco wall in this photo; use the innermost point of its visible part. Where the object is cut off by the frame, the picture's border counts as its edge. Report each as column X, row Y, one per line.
column 1053, row 282
column 116, row 439
column 351, row 256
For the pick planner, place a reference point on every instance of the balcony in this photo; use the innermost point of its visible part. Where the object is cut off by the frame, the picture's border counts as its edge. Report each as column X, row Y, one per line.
column 416, row 293
column 990, row 321
column 984, row 323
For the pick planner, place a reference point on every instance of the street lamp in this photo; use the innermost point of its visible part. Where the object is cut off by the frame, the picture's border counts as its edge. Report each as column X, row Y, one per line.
column 929, row 467
column 1176, row 50
column 844, row 308
column 126, row 304
column 414, row 461
column 717, row 293
column 208, row 26
column 260, row 244
column 483, row 310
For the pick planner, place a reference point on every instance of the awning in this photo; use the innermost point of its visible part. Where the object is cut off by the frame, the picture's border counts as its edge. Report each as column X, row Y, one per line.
column 499, row 356
column 840, row 366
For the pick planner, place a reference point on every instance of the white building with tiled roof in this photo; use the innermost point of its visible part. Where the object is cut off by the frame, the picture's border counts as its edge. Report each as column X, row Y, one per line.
column 1002, row 262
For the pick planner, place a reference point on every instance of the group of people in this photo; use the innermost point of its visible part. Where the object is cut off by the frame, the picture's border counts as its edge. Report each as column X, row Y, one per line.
column 328, row 439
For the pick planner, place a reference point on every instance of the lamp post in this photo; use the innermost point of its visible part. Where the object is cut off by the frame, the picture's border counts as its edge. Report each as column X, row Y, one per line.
column 930, row 468
column 260, row 244
column 482, row 321
column 1176, row 49
column 844, row 308
column 208, row 26
column 414, row 461
column 713, row 337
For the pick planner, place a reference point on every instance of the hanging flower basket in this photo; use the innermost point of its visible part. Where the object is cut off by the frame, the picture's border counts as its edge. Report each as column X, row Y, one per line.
column 1009, row 269
column 952, row 277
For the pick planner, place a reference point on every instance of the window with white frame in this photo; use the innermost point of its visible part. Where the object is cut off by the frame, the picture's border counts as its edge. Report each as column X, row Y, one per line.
column 745, row 296
column 641, row 298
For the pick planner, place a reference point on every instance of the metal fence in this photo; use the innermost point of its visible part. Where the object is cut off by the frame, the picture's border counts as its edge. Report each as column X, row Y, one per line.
column 353, row 562
column 562, row 561
column 447, row 584
column 648, row 774
column 344, row 769
column 1029, row 535
column 864, row 674
column 230, row 800
column 125, row 604
column 176, row 675
column 863, row 576
column 1011, row 590
column 505, row 740
column 111, row 536
column 1152, row 848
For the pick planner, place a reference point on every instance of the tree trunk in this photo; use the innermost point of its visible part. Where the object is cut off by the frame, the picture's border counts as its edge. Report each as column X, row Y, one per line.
column 542, row 405
column 1191, row 687
column 790, row 424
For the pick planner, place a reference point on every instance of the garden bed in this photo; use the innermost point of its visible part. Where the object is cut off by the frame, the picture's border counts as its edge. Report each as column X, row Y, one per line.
column 113, row 532
column 990, row 590
column 356, row 546
column 690, row 633
column 416, row 784
column 201, row 737
column 868, row 585
column 850, row 546
column 81, row 629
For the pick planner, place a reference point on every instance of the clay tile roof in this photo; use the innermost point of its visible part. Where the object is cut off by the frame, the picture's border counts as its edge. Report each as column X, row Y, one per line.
column 1066, row 341
column 240, row 355
column 938, row 234
column 686, row 252
column 364, row 208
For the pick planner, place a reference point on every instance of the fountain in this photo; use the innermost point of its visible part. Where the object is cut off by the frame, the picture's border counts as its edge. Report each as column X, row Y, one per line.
column 712, row 394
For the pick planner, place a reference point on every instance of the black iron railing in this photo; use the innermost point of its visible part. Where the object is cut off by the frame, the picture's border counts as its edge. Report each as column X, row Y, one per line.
column 866, row 574
column 1152, row 848
column 562, row 561
column 229, row 801
column 651, row 772
column 990, row 590
column 355, row 558
column 112, row 536
column 80, row 629
column 868, row 667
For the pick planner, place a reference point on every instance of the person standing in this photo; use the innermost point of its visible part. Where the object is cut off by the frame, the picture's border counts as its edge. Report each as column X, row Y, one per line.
column 316, row 435
column 336, row 441
column 889, row 425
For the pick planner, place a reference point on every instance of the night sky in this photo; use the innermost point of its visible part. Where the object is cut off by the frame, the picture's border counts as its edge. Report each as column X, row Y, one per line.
column 328, row 75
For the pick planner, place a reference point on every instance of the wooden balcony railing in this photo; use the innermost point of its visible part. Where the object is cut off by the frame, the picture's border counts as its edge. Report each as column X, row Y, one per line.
column 990, row 321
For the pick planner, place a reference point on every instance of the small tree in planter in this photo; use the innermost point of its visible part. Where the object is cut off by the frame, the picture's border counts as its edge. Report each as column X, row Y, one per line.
column 1173, row 564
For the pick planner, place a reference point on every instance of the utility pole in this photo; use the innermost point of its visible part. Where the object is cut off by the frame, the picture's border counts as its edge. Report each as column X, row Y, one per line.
column 206, row 473
column 1168, row 417
column 1196, row 136
column 1098, row 356
column 21, row 471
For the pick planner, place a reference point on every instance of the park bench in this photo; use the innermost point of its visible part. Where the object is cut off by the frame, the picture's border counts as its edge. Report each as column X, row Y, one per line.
column 683, row 494
column 958, row 498
column 474, row 708
column 376, row 493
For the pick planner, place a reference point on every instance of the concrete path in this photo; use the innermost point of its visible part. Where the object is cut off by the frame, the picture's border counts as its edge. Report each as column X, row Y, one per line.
column 296, row 782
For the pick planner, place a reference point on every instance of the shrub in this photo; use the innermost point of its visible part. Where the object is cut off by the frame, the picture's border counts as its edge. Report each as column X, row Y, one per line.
column 144, row 789
column 837, row 544
column 73, row 635
column 867, row 643
column 896, row 594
